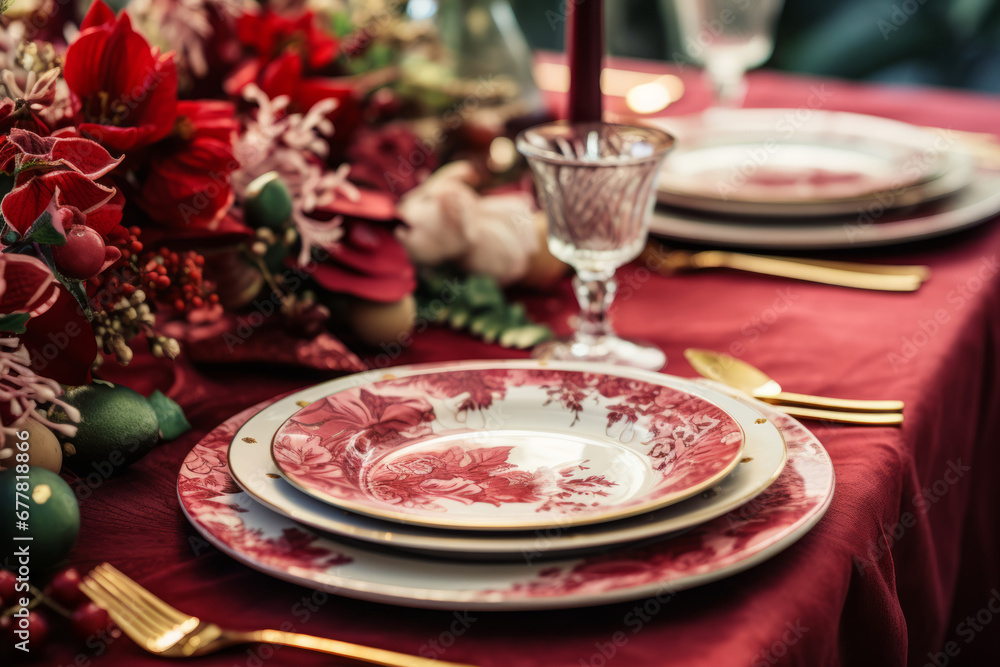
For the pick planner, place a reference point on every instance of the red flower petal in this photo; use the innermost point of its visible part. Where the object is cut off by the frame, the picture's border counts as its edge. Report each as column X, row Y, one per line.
column 77, row 190
column 98, row 15
column 119, row 139
column 114, row 71
column 32, row 144
column 26, row 285
column 83, row 155
column 281, row 76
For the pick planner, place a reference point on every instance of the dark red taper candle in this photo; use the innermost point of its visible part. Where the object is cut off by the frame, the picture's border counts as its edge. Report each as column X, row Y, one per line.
column 584, row 53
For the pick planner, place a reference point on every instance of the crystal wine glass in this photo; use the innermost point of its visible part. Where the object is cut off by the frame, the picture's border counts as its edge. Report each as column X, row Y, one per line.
column 727, row 37
column 596, row 182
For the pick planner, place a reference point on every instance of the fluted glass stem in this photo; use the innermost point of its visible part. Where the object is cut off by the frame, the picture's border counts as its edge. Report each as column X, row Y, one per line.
column 595, row 292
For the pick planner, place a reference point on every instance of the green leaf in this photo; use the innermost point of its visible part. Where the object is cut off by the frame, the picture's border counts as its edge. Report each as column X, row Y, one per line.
column 477, row 304
column 173, row 423
column 75, row 287
column 43, row 231
column 526, row 336
column 14, row 322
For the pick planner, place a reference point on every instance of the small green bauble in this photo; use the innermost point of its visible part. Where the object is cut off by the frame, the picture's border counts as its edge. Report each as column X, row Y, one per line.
column 267, row 203
column 118, row 427
column 48, row 508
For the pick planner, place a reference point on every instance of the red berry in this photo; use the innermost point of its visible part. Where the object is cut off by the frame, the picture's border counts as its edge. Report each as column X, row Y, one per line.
column 89, row 620
column 83, row 254
column 8, row 581
column 34, row 623
column 65, row 589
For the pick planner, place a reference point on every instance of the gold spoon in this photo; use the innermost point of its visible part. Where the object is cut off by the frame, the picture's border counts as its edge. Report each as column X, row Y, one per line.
column 741, row 375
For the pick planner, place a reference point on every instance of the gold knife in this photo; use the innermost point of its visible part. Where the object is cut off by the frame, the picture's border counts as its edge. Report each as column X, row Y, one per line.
column 906, row 279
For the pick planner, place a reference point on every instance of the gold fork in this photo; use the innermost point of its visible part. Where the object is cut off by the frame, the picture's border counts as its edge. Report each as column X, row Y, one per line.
column 159, row 628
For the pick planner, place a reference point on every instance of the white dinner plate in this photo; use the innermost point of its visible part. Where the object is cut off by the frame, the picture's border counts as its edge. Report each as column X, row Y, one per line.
column 253, row 469
column 977, row 203
column 508, row 446
column 276, row 545
column 794, row 162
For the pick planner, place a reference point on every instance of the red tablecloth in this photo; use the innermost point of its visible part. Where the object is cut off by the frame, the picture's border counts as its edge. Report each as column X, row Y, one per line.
column 928, row 490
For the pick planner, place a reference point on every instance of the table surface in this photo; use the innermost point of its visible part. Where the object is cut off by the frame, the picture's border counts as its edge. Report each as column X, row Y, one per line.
column 905, row 560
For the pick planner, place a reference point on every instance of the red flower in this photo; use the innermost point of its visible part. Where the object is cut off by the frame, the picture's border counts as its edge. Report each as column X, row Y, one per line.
column 188, row 183
column 127, row 89
column 274, row 41
column 368, row 261
column 288, row 57
column 59, row 171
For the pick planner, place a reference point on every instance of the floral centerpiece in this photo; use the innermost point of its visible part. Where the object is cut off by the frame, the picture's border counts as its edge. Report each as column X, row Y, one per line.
column 238, row 181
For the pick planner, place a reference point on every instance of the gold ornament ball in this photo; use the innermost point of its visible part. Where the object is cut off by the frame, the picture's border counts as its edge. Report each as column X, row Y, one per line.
column 377, row 323
column 44, row 450
column 544, row 270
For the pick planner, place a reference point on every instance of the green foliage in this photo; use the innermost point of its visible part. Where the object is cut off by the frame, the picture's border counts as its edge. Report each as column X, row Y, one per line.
column 477, row 304
column 169, row 414
column 14, row 322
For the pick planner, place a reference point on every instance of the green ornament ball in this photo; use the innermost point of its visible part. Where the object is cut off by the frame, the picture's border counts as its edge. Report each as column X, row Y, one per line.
column 118, row 427
column 268, row 202
column 50, row 514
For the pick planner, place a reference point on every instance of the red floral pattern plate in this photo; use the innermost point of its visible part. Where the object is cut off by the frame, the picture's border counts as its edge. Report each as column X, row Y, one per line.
column 253, row 469
column 247, row 531
column 470, row 447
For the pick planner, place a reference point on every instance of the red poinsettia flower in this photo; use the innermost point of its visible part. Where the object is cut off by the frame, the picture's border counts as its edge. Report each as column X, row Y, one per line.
column 63, row 172
column 127, row 89
column 292, row 57
column 188, row 183
column 267, row 37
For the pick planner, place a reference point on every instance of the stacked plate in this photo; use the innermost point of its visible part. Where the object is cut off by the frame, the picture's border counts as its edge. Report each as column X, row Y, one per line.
column 811, row 179
column 506, row 485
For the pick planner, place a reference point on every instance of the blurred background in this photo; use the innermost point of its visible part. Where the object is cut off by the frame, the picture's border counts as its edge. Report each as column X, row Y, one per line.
column 952, row 43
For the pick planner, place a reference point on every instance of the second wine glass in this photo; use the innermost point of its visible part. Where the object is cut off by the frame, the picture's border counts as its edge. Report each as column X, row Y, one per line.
column 729, row 38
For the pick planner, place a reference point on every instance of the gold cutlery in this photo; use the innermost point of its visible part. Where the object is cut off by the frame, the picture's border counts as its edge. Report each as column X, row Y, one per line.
column 842, row 274
column 865, row 418
column 159, row 628
column 741, row 375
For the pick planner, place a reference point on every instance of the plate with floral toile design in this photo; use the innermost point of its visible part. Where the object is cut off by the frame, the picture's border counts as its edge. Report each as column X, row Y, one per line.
column 278, row 546
column 469, row 447
column 252, row 467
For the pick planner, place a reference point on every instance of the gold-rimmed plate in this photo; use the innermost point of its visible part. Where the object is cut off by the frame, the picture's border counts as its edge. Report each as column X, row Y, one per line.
column 762, row 459
column 795, row 163
column 494, row 446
